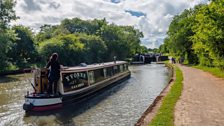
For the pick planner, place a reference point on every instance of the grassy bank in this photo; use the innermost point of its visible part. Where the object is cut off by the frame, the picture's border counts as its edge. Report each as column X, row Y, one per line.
column 213, row 70
column 165, row 115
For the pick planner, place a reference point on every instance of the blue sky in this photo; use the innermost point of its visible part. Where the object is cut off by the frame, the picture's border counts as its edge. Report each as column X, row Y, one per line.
column 152, row 17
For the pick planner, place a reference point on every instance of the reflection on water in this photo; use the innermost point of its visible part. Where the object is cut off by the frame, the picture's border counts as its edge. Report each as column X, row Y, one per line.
column 118, row 105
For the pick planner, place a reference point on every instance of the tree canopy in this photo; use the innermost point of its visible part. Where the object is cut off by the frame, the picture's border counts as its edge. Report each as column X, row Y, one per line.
column 75, row 40
column 198, row 35
column 7, row 35
column 101, row 41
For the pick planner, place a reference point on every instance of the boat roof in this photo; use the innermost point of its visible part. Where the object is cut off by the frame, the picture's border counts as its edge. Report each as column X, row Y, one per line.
column 92, row 66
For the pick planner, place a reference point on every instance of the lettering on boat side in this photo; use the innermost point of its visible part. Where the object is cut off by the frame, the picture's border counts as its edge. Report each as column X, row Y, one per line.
column 78, row 86
column 76, row 76
column 74, row 80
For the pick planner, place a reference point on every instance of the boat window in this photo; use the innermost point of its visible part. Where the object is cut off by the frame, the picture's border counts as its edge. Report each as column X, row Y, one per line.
column 91, row 77
column 110, row 71
column 99, row 75
column 125, row 67
column 74, row 80
column 121, row 68
column 116, row 69
column 105, row 72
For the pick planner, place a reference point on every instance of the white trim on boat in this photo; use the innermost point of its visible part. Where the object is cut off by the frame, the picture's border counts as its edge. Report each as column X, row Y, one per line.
column 43, row 101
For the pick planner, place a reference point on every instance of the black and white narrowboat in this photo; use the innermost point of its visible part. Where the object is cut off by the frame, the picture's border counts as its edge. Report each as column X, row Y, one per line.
column 74, row 84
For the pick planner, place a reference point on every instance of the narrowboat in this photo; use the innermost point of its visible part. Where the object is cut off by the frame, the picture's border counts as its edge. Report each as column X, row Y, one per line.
column 74, row 84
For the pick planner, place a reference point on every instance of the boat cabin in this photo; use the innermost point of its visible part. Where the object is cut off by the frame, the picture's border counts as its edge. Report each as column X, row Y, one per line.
column 73, row 79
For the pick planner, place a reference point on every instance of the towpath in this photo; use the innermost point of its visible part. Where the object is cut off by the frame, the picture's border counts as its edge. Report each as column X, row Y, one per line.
column 202, row 99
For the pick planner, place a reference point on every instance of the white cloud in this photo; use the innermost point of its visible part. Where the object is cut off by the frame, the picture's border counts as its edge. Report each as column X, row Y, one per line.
column 154, row 25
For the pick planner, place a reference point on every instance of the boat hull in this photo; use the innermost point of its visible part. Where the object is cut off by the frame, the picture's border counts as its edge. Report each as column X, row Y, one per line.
column 44, row 102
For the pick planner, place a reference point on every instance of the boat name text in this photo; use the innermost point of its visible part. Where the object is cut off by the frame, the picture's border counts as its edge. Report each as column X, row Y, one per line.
column 75, row 76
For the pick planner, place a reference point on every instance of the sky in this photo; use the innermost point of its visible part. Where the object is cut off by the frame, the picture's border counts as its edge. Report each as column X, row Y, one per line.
column 152, row 17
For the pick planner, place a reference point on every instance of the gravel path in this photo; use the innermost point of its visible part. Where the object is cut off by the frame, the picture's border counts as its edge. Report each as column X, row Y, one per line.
column 202, row 99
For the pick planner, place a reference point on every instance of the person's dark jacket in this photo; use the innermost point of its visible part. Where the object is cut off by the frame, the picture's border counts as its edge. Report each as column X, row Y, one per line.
column 54, row 73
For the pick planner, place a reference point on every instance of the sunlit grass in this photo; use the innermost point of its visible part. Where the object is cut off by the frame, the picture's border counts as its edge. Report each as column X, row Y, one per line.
column 165, row 115
column 213, row 70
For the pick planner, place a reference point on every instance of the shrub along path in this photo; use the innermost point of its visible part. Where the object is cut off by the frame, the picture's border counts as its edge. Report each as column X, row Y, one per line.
column 202, row 99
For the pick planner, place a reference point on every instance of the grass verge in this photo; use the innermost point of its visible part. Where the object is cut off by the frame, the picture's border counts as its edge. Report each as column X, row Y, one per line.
column 165, row 115
column 213, row 70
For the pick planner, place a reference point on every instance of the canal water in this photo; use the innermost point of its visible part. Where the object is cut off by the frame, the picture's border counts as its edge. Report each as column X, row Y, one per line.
column 118, row 105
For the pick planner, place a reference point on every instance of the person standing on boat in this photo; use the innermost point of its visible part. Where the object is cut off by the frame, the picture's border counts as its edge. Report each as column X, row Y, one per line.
column 54, row 73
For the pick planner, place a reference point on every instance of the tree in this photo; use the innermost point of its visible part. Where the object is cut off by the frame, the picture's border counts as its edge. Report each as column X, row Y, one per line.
column 95, row 48
column 178, row 42
column 6, row 12
column 198, row 35
column 46, row 32
column 23, row 47
column 101, row 41
column 209, row 34
column 69, row 48
column 6, row 35
column 121, row 41
column 77, row 25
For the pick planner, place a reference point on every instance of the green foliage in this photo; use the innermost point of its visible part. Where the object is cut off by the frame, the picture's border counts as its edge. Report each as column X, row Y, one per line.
column 116, row 45
column 155, row 50
column 95, row 48
column 121, row 41
column 77, row 25
column 69, row 48
column 6, row 35
column 209, row 34
column 198, row 35
column 102, row 41
column 142, row 49
column 165, row 115
column 23, row 47
column 75, row 41
column 6, row 12
column 178, row 42
column 6, row 38
column 46, row 32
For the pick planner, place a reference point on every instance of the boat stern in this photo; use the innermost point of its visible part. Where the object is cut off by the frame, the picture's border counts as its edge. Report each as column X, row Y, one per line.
column 42, row 102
